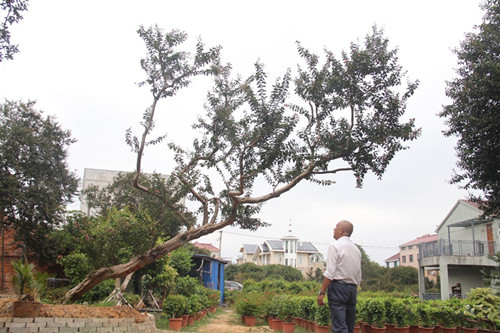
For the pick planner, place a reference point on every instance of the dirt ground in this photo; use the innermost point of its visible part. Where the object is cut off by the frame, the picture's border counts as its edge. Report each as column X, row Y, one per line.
column 75, row 311
column 227, row 321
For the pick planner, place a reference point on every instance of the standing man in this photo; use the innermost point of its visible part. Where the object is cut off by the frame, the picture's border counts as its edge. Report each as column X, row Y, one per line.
column 342, row 278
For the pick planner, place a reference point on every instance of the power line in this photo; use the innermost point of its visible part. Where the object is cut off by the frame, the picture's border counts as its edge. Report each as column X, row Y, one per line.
column 319, row 243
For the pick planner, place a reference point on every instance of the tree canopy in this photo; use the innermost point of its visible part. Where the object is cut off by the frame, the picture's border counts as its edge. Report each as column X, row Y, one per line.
column 341, row 115
column 10, row 13
column 34, row 177
column 473, row 115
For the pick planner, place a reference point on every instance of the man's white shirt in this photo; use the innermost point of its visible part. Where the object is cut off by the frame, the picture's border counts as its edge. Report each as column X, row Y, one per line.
column 344, row 261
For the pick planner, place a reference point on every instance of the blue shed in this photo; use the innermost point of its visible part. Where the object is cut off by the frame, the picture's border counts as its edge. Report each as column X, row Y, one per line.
column 211, row 272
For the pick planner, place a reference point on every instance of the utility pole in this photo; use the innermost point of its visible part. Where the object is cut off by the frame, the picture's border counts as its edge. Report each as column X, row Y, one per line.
column 220, row 244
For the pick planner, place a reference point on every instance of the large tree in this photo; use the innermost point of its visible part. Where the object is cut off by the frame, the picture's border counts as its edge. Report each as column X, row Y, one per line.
column 35, row 183
column 474, row 114
column 10, row 13
column 344, row 116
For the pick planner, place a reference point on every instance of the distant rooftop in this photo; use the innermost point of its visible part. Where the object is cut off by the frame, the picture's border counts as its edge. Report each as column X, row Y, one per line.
column 393, row 258
column 249, row 248
column 422, row 239
column 206, row 246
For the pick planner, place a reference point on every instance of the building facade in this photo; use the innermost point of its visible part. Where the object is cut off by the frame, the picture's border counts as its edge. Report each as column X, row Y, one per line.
column 465, row 238
column 288, row 251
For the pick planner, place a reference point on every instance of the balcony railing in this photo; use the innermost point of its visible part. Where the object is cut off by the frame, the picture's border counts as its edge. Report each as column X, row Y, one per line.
column 444, row 247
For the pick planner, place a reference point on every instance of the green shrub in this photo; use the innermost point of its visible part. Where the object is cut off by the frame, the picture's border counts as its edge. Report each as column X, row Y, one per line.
column 288, row 308
column 322, row 315
column 306, row 307
column 76, row 266
column 400, row 312
column 54, row 295
column 484, row 307
column 375, row 311
column 186, row 285
column 99, row 292
column 175, row 306
column 426, row 314
column 249, row 304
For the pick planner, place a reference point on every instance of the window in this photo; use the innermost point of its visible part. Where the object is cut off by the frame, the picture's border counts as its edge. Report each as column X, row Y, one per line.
column 291, row 247
column 403, row 259
column 410, row 247
column 286, row 246
column 403, row 248
column 411, row 257
column 286, row 262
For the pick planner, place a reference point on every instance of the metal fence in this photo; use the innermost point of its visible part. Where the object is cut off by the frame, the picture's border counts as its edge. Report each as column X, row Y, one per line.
column 444, row 247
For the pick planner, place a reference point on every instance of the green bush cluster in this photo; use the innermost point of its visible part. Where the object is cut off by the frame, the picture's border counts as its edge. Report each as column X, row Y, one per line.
column 189, row 297
column 481, row 308
column 282, row 306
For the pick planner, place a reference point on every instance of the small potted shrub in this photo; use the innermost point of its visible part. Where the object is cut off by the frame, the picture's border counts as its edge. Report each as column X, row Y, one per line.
column 375, row 308
column 27, row 285
column 426, row 313
column 446, row 316
column 174, row 307
column 287, row 310
column 322, row 319
column 400, row 312
column 249, row 307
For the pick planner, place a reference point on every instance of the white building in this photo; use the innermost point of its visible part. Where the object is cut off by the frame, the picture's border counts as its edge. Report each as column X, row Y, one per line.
column 288, row 251
column 464, row 241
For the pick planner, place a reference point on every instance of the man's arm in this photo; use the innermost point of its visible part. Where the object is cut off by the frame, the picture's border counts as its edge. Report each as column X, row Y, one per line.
column 322, row 291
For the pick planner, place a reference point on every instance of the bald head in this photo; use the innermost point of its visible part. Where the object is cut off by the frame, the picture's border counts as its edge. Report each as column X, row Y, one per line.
column 343, row 228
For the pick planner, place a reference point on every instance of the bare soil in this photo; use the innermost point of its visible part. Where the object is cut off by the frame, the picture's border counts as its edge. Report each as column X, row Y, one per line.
column 227, row 321
column 75, row 311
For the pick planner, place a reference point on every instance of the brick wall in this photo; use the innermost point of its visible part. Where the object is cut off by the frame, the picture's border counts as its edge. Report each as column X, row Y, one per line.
column 71, row 325
column 11, row 253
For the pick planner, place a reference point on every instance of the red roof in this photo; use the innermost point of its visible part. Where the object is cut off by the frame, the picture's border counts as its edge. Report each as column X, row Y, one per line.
column 422, row 239
column 393, row 258
column 206, row 246
column 472, row 203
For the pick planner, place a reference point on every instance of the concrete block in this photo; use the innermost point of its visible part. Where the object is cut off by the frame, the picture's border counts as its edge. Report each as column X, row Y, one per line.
column 48, row 329
column 99, row 320
column 44, row 320
column 68, row 330
column 88, row 330
column 37, row 325
column 63, row 320
column 5, row 319
column 14, row 325
column 23, row 320
column 79, row 324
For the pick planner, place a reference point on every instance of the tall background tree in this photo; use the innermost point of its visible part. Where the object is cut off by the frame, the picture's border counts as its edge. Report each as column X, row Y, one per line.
column 10, row 13
column 474, row 114
column 35, row 183
column 345, row 116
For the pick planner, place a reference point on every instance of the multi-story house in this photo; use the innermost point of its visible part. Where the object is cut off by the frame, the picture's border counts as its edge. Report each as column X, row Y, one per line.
column 408, row 255
column 287, row 251
column 465, row 238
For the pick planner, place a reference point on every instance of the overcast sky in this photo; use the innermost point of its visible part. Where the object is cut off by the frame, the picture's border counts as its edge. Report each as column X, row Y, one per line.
column 80, row 61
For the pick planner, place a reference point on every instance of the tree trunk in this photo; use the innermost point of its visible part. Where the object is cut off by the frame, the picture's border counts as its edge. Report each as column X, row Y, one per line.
column 117, row 293
column 136, row 263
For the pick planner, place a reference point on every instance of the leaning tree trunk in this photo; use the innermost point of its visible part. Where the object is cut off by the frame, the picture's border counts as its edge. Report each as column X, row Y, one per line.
column 116, row 295
column 136, row 263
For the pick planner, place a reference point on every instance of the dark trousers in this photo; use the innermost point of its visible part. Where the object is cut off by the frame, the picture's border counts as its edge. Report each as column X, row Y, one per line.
column 342, row 304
